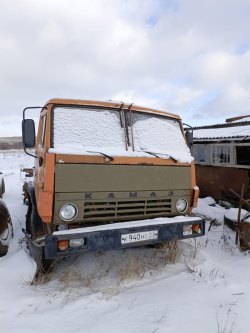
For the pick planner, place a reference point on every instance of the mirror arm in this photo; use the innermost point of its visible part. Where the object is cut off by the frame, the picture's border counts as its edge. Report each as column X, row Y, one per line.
column 188, row 126
column 29, row 153
column 33, row 107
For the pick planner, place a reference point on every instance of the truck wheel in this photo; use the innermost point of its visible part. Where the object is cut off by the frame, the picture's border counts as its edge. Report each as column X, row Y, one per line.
column 34, row 225
column 2, row 187
column 6, row 231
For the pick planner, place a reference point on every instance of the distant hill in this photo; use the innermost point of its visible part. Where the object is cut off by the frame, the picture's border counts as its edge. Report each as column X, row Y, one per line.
column 14, row 142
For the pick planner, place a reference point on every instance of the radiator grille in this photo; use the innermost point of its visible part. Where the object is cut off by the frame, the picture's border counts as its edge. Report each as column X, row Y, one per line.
column 125, row 210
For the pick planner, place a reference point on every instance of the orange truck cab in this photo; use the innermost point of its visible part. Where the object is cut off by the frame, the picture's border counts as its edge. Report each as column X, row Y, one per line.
column 107, row 175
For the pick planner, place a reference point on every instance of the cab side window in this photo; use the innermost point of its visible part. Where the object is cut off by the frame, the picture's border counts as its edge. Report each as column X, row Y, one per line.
column 42, row 132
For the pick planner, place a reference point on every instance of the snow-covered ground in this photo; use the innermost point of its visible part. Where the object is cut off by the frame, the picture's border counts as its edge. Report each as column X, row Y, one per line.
column 205, row 287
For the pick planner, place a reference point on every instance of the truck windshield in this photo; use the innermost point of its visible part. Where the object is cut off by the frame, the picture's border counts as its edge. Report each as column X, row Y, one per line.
column 118, row 132
column 156, row 134
column 79, row 127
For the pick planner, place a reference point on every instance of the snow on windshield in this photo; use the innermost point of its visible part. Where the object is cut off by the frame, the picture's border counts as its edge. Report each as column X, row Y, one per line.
column 161, row 135
column 80, row 131
column 88, row 128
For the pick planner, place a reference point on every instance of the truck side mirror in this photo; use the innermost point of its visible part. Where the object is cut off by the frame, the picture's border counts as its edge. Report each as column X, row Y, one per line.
column 189, row 137
column 28, row 133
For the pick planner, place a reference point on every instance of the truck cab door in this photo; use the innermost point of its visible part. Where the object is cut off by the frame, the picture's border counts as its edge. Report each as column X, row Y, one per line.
column 40, row 152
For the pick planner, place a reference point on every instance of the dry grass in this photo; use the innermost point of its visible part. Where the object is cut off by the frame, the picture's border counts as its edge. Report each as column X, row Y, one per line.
column 131, row 268
column 109, row 271
column 41, row 276
column 171, row 252
column 228, row 325
column 135, row 265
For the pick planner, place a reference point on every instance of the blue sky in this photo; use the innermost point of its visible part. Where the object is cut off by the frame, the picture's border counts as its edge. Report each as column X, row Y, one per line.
column 189, row 57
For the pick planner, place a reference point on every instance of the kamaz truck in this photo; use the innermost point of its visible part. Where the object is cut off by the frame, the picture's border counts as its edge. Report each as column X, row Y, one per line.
column 108, row 175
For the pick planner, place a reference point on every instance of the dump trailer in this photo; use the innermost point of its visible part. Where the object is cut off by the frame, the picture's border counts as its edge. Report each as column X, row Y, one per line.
column 107, row 175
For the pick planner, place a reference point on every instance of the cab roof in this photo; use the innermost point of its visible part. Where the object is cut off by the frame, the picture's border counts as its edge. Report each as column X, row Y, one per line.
column 109, row 104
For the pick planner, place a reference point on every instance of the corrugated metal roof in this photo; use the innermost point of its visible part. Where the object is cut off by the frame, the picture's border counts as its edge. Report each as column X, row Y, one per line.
column 233, row 131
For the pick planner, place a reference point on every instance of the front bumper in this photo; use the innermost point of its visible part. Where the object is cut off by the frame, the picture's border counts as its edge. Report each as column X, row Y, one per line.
column 108, row 236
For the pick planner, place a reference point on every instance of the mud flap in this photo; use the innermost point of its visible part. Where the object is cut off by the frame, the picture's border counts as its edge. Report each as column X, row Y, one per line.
column 43, row 266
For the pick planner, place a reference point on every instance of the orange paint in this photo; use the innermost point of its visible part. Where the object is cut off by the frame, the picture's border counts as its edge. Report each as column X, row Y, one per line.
column 115, row 105
column 194, row 195
column 193, row 178
column 78, row 159
column 46, row 195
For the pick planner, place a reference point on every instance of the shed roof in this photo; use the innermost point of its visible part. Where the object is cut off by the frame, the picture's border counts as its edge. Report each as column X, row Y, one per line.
column 236, row 131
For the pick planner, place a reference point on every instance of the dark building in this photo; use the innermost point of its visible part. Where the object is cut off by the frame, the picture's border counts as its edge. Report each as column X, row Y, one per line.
column 222, row 158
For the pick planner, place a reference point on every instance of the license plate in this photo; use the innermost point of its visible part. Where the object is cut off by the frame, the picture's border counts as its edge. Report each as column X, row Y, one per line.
column 139, row 237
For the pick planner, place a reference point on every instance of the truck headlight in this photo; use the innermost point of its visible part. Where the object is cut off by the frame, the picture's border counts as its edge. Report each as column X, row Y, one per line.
column 68, row 212
column 181, row 205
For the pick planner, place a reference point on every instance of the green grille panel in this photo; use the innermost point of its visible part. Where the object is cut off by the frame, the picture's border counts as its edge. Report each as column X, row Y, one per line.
column 115, row 210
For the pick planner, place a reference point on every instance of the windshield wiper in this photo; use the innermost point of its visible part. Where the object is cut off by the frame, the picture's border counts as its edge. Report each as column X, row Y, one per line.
column 157, row 154
column 149, row 152
column 123, row 124
column 99, row 152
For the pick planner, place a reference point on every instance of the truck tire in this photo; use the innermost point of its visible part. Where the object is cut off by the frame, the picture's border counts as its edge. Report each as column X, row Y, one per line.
column 6, row 231
column 2, row 186
column 34, row 225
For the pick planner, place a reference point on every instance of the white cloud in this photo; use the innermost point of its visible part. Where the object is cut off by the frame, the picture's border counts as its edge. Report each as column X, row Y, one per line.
column 51, row 35
column 190, row 57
